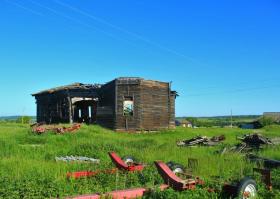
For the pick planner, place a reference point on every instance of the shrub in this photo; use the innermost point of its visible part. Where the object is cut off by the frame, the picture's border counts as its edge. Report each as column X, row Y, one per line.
column 24, row 119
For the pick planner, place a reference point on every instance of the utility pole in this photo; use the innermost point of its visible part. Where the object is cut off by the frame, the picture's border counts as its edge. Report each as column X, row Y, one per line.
column 23, row 110
column 231, row 118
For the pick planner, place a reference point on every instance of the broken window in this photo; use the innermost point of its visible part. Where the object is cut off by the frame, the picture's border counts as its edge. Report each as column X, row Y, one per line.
column 128, row 106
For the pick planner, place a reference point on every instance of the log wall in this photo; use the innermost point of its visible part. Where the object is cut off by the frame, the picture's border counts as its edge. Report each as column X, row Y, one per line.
column 106, row 105
column 154, row 105
column 128, row 88
column 52, row 108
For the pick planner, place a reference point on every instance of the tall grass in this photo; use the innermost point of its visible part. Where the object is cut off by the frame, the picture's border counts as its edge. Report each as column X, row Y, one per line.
column 28, row 168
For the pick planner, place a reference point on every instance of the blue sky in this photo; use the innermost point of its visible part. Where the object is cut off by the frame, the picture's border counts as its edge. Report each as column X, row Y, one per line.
column 220, row 55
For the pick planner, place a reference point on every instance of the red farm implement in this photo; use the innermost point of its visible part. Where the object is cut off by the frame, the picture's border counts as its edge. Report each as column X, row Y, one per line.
column 174, row 177
column 126, row 164
column 246, row 188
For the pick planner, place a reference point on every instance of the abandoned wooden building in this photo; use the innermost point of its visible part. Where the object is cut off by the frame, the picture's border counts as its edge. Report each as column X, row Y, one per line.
column 122, row 104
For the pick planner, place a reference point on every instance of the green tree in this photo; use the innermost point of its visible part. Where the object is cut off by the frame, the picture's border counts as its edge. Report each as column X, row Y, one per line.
column 193, row 120
column 24, row 119
column 266, row 121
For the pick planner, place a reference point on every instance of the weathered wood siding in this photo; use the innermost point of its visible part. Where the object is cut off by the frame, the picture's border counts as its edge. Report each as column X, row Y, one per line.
column 52, row 108
column 128, row 88
column 155, row 105
column 172, row 111
column 153, row 101
column 106, row 105
column 57, row 107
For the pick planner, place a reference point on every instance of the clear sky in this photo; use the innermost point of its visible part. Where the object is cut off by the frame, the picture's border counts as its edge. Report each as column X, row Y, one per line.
column 220, row 55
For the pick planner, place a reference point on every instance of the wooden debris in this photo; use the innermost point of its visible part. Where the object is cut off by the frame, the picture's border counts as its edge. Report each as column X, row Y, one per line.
column 40, row 128
column 255, row 140
column 202, row 140
column 251, row 142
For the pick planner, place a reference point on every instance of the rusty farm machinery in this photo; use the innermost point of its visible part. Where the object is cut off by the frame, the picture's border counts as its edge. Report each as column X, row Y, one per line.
column 174, row 177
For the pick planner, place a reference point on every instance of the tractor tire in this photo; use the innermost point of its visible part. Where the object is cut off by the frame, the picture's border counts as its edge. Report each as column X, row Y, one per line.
column 128, row 160
column 247, row 189
column 176, row 168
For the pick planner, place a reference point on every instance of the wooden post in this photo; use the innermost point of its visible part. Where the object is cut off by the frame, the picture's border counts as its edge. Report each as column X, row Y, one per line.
column 70, row 109
column 169, row 104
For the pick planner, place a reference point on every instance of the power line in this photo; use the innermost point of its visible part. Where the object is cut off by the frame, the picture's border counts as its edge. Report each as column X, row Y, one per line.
column 234, row 91
column 24, row 7
column 79, row 22
column 236, row 83
column 138, row 36
column 100, row 20
column 71, row 18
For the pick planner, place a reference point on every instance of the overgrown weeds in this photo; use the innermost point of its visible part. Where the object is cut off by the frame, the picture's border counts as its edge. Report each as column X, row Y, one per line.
column 28, row 168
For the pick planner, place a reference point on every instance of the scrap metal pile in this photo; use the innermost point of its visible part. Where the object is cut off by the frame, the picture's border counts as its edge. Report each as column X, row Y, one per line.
column 202, row 140
column 40, row 128
column 255, row 140
column 79, row 159
column 251, row 142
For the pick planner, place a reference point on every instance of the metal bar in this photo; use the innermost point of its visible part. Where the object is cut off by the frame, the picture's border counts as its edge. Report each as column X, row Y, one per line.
column 121, row 194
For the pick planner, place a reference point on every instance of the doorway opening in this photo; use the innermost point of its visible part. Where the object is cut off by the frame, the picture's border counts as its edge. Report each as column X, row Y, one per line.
column 85, row 111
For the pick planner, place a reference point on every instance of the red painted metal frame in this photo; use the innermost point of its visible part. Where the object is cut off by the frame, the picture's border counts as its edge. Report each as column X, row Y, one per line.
column 169, row 177
column 171, row 180
column 122, row 194
column 120, row 164
column 174, row 181
column 84, row 174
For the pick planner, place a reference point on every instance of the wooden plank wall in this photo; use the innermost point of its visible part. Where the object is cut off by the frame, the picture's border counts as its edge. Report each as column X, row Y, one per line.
column 128, row 88
column 106, row 106
column 172, row 111
column 155, row 105
column 52, row 108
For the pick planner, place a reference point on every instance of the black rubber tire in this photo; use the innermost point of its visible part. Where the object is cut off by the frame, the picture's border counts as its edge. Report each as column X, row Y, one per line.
column 170, row 164
column 245, row 182
column 175, row 167
column 128, row 159
column 178, row 169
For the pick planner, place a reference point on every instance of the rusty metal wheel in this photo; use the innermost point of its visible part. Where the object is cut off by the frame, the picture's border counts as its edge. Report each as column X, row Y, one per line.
column 247, row 188
column 176, row 168
column 129, row 160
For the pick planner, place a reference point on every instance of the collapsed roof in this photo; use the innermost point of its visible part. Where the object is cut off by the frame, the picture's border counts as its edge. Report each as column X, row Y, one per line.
column 73, row 86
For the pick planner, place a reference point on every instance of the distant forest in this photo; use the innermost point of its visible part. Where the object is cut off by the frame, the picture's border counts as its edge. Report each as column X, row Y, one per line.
column 18, row 118
column 236, row 120
column 196, row 121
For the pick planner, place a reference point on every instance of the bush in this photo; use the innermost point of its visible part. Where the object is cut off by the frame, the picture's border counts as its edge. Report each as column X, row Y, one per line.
column 24, row 119
column 266, row 121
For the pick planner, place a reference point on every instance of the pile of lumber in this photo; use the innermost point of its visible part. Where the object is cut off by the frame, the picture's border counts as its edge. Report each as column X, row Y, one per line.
column 255, row 140
column 251, row 142
column 202, row 140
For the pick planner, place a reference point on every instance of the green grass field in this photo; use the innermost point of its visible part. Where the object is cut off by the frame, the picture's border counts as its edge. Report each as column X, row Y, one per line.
column 28, row 168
